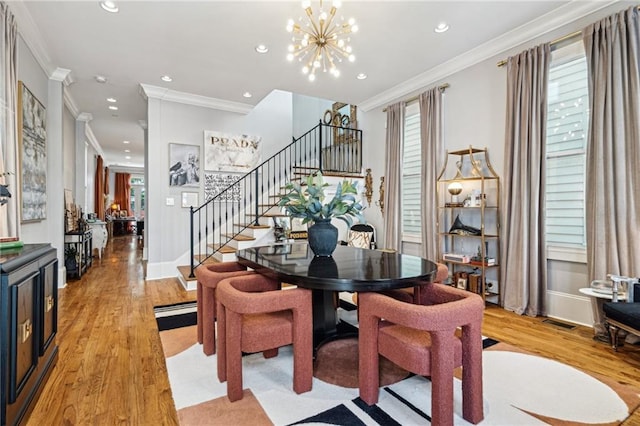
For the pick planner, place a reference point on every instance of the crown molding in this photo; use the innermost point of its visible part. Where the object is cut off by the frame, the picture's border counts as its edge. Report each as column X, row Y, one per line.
column 70, row 103
column 92, row 139
column 143, row 124
column 61, row 74
column 553, row 20
column 164, row 94
column 31, row 36
column 84, row 116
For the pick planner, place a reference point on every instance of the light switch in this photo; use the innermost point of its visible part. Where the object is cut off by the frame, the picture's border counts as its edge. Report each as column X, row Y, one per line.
column 170, row 201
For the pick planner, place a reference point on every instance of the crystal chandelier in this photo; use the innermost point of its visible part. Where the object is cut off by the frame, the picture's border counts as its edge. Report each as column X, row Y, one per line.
column 323, row 42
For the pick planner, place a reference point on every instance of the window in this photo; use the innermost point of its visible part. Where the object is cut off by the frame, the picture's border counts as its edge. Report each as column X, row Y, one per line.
column 567, row 126
column 411, row 185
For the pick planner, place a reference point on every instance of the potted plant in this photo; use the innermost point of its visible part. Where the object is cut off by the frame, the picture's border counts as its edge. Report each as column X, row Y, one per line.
column 71, row 258
column 308, row 203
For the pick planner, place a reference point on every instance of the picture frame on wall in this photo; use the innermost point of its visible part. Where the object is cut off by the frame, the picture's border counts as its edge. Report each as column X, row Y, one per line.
column 32, row 147
column 184, row 165
column 189, row 199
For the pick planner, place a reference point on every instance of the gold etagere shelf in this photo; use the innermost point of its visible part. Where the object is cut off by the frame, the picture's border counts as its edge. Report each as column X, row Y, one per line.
column 468, row 197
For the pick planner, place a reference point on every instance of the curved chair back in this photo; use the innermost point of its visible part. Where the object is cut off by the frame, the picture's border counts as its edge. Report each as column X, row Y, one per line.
column 254, row 315
column 423, row 339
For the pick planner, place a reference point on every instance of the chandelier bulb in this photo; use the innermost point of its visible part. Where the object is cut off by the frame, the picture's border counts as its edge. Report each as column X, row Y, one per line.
column 354, row 28
column 306, row 4
column 290, row 57
column 352, row 58
column 351, row 21
column 305, row 70
column 312, row 77
column 337, row 4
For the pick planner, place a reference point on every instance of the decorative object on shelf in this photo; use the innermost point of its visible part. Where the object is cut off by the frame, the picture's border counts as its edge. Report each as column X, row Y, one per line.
column 281, row 228
column 320, row 43
column 476, row 218
column 308, row 203
column 32, row 140
column 70, row 258
column 461, row 229
column 455, row 188
column 380, row 201
column 368, row 187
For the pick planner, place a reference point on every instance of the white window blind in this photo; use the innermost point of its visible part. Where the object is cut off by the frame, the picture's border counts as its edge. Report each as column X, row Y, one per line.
column 411, row 185
column 567, row 125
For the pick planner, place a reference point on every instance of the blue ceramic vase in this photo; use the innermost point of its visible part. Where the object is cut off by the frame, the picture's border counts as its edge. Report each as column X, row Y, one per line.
column 323, row 237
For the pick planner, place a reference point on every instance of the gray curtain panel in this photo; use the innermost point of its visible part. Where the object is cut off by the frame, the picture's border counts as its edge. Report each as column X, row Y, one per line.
column 432, row 153
column 393, row 176
column 613, row 146
column 523, row 258
column 8, row 114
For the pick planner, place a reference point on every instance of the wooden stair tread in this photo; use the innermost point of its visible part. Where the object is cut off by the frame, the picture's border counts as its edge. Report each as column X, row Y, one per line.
column 239, row 225
column 269, row 214
column 207, row 260
column 240, row 237
column 223, row 249
column 185, row 271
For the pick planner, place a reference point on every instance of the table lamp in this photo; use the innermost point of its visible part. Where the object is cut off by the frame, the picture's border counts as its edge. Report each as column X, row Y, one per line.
column 454, row 188
column 115, row 208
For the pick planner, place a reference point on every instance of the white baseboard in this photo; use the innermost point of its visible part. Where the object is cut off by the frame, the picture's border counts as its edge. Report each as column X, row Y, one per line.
column 569, row 307
column 160, row 270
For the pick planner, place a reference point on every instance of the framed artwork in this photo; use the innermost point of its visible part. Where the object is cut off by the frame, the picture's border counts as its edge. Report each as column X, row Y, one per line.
column 184, row 165
column 215, row 183
column 225, row 152
column 32, row 142
column 189, row 199
column 462, row 283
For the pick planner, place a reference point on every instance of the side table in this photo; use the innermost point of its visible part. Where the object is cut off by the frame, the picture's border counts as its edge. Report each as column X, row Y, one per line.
column 597, row 299
column 83, row 244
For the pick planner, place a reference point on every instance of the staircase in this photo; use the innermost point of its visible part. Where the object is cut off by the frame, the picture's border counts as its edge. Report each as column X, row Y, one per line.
column 241, row 216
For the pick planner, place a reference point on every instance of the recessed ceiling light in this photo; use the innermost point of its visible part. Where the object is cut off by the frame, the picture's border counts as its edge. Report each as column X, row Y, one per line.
column 125, row 142
column 261, row 48
column 127, row 150
column 113, row 107
column 101, row 78
column 166, row 78
column 442, row 27
column 247, row 95
column 112, row 100
column 127, row 157
column 361, row 76
column 109, row 6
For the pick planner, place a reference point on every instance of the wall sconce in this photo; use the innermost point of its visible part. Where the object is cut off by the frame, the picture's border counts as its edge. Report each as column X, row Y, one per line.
column 368, row 186
column 454, row 188
column 380, row 201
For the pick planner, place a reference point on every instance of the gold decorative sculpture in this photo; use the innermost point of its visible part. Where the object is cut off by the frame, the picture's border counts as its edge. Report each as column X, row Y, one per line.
column 380, row 201
column 368, row 186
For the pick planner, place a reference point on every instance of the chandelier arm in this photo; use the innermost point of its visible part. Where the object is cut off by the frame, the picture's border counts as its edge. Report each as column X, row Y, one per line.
column 336, row 49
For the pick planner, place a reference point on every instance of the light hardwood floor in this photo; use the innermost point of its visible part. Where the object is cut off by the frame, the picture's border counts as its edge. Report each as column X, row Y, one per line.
column 111, row 368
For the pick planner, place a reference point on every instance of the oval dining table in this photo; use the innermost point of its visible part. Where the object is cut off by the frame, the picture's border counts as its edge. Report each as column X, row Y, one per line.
column 347, row 269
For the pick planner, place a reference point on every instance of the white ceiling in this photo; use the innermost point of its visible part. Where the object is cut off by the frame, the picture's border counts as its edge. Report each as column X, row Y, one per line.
column 208, row 49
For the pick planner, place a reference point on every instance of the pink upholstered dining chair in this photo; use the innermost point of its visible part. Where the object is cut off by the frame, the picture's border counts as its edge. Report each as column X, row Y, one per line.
column 415, row 294
column 208, row 277
column 423, row 340
column 254, row 315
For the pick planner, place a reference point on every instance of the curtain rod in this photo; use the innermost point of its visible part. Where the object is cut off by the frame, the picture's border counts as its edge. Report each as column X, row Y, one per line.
column 556, row 41
column 442, row 88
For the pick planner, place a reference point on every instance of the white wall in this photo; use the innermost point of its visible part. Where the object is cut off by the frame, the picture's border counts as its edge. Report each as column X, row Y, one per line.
column 68, row 153
column 170, row 122
column 307, row 113
column 36, row 80
column 475, row 115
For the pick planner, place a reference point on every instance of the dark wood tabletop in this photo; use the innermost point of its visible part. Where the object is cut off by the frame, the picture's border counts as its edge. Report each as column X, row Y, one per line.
column 348, row 269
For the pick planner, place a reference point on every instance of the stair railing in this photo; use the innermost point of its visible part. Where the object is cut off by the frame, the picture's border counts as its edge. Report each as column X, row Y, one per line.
column 225, row 214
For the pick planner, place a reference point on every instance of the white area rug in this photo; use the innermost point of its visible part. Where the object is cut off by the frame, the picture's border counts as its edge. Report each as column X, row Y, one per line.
column 519, row 389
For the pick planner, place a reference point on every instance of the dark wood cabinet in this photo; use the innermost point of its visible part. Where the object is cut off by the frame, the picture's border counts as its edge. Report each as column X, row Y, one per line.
column 28, row 326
